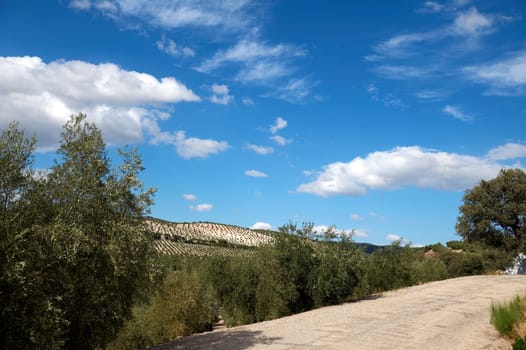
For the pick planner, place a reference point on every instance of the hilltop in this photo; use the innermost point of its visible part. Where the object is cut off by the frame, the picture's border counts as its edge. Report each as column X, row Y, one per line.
column 210, row 238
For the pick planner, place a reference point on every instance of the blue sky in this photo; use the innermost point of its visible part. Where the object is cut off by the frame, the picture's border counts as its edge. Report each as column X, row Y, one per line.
column 372, row 115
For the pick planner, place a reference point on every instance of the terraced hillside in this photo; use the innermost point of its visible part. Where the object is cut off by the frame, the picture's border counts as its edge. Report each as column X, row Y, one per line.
column 204, row 238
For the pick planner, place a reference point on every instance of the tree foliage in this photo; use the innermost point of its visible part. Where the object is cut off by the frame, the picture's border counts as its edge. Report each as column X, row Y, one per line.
column 74, row 257
column 494, row 212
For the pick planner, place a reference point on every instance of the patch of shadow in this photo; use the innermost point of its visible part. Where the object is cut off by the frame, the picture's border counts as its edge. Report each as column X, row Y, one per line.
column 371, row 297
column 222, row 340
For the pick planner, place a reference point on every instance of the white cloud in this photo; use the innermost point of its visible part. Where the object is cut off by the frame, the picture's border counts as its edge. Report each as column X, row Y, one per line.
column 80, row 4
column 171, row 14
column 504, row 76
column 295, row 90
column 357, row 217
column 280, row 140
column 279, row 124
column 185, row 147
column 220, row 94
column 432, row 6
column 259, row 63
column 249, row 52
column 430, row 95
column 392, row 237
column 457, row 113
column 255, row 173
column 262, row 226
column 189, row 197
column 170, row 47
column 388, row 100
column 202, row 207
column 472, row 22
column 467, row 26
column 42, row 96
column 508, row 151
column 399, row 167
column 106, row 6
column 360, row 233
column 247, row 101
column 260, row 149
column 193, row 147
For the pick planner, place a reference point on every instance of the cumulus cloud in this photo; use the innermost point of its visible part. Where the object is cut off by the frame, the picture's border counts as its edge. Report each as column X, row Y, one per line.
column 399, row 167
column 457, row 113
column 42, row 96
column 280, row 140
column 472, row 22
column 508, row 151
column 504, row 77
column 202, row 207
column 255, row 173
column 279, row 124
column 186, row 147
column 260, row 149
column 220, row 94
column 189, row 197
column 262, row 226
column 192, row 147
column 171, row 48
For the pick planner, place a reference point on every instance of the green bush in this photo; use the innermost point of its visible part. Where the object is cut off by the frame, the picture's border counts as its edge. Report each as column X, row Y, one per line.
column 184, row 304
column 519, row 344
column 390, row 268
column 504, row 316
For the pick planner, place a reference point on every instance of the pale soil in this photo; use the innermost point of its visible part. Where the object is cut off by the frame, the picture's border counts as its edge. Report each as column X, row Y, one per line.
column 451, row 314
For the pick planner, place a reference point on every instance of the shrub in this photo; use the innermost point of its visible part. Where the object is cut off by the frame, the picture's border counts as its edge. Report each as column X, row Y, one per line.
column 183, row 305
column 504, row 316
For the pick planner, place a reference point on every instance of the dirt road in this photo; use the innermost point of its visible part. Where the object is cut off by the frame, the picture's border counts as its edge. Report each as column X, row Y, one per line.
column 452, row 314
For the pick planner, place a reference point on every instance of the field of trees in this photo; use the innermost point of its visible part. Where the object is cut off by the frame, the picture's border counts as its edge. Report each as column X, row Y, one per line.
column 83, row 267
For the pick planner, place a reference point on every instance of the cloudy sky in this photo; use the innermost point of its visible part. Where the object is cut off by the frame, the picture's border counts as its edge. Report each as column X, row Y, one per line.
column 372, row 115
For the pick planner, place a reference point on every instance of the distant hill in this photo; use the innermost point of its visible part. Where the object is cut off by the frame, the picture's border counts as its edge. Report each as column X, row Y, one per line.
column 209, row 238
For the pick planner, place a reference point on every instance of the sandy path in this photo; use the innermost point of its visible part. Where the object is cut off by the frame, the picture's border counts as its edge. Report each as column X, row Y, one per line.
column 452, row 314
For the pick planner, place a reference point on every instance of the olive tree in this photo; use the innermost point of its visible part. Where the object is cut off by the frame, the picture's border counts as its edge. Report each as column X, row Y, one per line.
column 494, row 212
column 80, row 258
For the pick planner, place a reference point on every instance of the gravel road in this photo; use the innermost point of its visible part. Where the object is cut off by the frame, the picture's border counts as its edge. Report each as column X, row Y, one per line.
column 451, row 314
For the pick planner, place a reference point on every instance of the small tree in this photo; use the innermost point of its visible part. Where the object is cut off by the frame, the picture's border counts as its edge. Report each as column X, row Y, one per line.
column 79, row 258
column 494, row 212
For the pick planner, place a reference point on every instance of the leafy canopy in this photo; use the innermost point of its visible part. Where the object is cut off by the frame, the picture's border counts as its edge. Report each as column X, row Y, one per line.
column 494, row 212
column 74, row 256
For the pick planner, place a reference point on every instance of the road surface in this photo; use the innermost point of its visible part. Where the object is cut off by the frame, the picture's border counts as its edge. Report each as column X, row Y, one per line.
column 451, row 314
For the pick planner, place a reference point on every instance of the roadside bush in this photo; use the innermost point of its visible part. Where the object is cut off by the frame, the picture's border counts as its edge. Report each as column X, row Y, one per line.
column 390, row 268
column 183, row 305
column 504, row 316
column 428, row 269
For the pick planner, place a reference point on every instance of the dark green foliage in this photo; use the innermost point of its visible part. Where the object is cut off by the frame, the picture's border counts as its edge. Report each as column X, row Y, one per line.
column 74, row 259
column 493, row 212
column 184, row 304
column 390, row 268
column 519, row 344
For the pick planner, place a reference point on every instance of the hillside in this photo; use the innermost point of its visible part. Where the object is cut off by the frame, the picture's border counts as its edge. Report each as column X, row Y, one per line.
column 209, row 238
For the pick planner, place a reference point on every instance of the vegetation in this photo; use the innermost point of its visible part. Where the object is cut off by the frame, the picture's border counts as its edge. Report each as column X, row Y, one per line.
column 506, row 315
column 72, row 261
column 80, row 266
column 493, row 212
